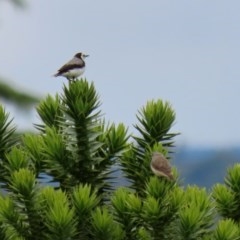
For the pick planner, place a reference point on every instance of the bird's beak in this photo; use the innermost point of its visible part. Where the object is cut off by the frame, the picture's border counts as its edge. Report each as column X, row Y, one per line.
column 85, row 55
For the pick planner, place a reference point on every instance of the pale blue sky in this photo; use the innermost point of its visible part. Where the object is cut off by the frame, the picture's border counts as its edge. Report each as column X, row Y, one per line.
column 185, row 52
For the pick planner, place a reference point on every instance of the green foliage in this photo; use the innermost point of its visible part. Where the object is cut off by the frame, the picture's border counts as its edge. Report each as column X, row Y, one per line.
column 59, row 216
column 155, row 121
column 7, row 141
column 77, row 146
column 84, row 200
column 196, row 217
column 226, row 230
column 9, row 218
column 80, row 154
column 227, row 196
column 6, row 132
column 225, row 200
column 49, row 111
column 104, row 226
column 150, row 216
column 10, row 94
column 33, row 146
column 127, row 209
column 113, row 138
column 161, row 207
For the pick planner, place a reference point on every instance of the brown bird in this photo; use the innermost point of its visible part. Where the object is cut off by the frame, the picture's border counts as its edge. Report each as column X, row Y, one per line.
column 160, row 166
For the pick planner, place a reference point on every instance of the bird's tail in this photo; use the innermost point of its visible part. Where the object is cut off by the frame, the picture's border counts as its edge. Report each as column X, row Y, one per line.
column 56, row 75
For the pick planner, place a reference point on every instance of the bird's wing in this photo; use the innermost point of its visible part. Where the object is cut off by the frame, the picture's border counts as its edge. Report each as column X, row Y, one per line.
column 162, row 166
column 74, row 63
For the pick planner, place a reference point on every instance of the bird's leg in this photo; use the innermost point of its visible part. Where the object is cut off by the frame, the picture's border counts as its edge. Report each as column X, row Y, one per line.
column 70, row 80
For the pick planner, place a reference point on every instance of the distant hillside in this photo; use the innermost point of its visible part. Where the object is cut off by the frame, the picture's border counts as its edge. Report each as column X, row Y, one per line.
column 204, row 167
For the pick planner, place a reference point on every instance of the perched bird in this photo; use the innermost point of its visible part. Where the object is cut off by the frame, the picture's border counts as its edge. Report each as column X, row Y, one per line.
column 160, row 166
column 74, row 68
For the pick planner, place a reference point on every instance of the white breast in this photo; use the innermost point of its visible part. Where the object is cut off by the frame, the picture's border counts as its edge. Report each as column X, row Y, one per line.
column 73, row 73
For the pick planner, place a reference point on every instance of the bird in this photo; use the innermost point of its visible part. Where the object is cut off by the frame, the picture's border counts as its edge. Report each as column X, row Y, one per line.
column 160, row 166
column 73, row 68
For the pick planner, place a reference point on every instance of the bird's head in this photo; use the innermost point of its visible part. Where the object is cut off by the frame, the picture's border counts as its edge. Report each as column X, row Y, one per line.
column 157, row 154
column 81, row 55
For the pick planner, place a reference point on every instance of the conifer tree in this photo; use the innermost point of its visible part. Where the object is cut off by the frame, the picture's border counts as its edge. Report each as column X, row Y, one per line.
column 81, row 177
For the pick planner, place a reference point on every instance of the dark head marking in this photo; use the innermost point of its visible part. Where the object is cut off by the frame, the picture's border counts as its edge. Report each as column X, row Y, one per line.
column 78, row 55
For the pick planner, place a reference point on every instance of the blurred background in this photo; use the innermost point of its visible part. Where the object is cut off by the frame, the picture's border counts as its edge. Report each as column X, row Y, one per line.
column 184, row 52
